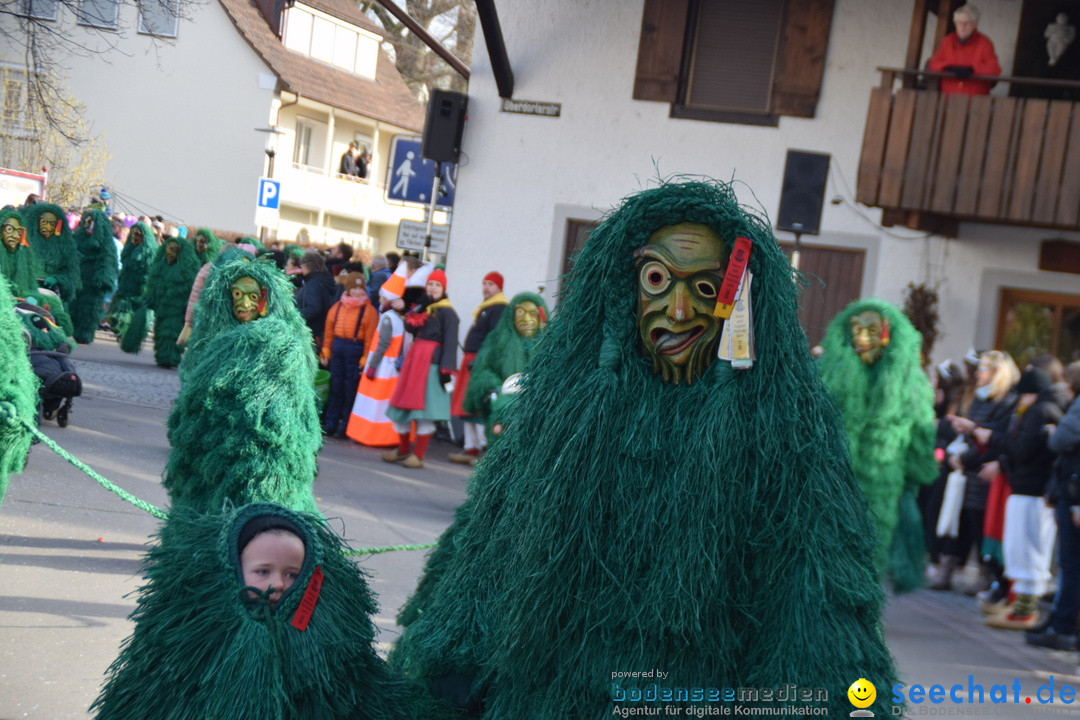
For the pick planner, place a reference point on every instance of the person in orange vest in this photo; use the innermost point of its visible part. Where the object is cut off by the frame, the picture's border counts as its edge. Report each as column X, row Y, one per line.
column 350, row 331
column 368, row 424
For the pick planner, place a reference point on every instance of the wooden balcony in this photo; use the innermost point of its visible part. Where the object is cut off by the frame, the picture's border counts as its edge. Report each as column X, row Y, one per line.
column 931, row 160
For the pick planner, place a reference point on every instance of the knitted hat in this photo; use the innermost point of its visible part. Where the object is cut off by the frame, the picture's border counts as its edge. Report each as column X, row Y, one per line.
column 495, row 278
column 349, row 280
column 438, row 276
column 263, row 523
column 1034, row 380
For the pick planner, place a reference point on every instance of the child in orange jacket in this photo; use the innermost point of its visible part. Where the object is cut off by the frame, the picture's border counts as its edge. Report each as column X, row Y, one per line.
column 350, row 331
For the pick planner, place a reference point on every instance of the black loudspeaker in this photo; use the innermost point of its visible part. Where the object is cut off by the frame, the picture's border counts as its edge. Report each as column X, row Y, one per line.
column 444, row 126
column 803, row 193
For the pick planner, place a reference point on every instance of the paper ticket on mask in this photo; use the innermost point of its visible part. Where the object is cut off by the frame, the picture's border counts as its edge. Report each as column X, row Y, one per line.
column 737, row 338
column 729, row 288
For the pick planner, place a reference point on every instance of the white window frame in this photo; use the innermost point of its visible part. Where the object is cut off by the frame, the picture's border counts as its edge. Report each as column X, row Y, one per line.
column 168, row 9
column 27, row 8
column 302, row 145
column 85, row 18
column 13, row 78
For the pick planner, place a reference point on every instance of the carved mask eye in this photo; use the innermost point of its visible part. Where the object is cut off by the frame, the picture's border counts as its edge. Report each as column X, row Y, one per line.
column 654, row 277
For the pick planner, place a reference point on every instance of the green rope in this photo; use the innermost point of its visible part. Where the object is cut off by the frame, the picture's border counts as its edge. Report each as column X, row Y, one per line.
column 153, row 509
column 105, row 483
column 390, row 548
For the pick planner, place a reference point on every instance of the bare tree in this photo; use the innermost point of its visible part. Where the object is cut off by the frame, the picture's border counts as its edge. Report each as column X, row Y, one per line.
column 59, row 140
column 450, row 22
column 43, row 36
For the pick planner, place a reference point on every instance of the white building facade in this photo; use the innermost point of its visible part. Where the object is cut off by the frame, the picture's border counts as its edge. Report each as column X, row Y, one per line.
column 526, row 179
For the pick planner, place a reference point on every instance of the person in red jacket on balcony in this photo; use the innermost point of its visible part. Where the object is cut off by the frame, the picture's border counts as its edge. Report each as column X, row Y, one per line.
column 963, row 53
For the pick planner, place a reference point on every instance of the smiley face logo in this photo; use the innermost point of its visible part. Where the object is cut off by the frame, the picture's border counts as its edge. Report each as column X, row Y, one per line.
column 862, row 693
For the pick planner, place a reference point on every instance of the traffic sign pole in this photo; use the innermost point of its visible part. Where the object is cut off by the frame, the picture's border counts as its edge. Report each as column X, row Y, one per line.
column 431, row 207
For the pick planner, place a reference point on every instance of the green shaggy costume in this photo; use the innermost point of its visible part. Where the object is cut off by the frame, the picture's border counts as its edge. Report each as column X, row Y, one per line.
column 22, row 270
column 503, row 354
column 18, row 391
column 98, row 268
column 207, row 245
column 55, row 248
column 888, row 410
column 135, row 261
column 245, row 427
column 20, row 267
column 204, row 649
column 711, row 530
column 167, row 288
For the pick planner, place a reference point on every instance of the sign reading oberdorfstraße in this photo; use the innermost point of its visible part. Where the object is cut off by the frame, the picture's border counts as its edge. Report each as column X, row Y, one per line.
column 531, row 107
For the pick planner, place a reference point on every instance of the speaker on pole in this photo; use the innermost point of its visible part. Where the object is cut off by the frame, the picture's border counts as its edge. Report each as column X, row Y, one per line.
column 803, row 192
column 444, row 125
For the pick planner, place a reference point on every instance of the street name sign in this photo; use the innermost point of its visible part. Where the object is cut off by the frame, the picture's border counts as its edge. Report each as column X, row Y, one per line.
column 411, row 236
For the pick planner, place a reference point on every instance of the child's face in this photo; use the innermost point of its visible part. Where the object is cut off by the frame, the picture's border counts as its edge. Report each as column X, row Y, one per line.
column 272, row 559
column 357, row 291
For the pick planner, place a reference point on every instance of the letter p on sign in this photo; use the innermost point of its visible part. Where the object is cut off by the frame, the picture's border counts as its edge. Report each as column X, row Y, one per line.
column 269, row 193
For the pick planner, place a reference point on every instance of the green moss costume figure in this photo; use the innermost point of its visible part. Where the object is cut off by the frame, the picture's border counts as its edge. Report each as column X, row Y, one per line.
column 168, row 284
column 98, row 272
column 135, row 262
column 653, row 507
column 18, row 264
column 54, row 244
column 21, row 268
column 207, row 245
column 207, row 646
column 505, row 352
column 245, row 426
column 871, row 365
column 18, row 391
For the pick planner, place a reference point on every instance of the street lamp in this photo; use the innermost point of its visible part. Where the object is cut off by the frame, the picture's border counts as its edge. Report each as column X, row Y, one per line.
column 270, row 148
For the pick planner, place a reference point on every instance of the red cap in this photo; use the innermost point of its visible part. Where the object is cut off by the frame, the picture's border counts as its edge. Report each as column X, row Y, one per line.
column 438, row 276
column 495, row 278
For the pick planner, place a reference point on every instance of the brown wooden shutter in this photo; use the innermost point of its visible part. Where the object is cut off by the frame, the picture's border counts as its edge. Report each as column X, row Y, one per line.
column 804, row 40
column 660, row 48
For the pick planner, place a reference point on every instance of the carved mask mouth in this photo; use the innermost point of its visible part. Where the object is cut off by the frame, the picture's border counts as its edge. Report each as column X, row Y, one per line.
column 670, row 342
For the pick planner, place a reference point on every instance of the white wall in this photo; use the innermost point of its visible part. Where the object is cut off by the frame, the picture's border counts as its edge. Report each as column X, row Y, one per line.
column 178, row 117
column 522, row 176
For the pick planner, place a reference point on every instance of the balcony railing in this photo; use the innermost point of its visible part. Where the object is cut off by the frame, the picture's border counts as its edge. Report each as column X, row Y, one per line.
column 932, row 159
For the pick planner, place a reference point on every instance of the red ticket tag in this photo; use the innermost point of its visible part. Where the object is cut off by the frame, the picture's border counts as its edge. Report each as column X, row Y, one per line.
column 302, row 616
column 740, row 257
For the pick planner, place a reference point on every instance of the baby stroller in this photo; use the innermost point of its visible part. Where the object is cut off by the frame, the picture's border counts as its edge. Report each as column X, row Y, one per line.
column 49, row 353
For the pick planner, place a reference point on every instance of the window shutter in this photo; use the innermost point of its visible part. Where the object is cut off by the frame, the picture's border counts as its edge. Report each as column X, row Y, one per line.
column 804, row 40
column 660, row 48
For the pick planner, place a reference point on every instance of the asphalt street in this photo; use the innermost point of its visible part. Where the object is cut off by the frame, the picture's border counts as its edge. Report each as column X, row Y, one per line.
column 70, row 553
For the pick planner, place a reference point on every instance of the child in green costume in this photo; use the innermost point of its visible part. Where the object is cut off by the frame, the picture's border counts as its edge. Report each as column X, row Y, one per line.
column 98, row 267
column 18, row 391
column 245, row 426
column 54, row 245
column 872, row 367
column 252, row 614
column 653, row 507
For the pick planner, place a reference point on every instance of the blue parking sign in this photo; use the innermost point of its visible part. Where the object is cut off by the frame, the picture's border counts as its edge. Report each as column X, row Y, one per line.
column 269, row 194
column 410, row 176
